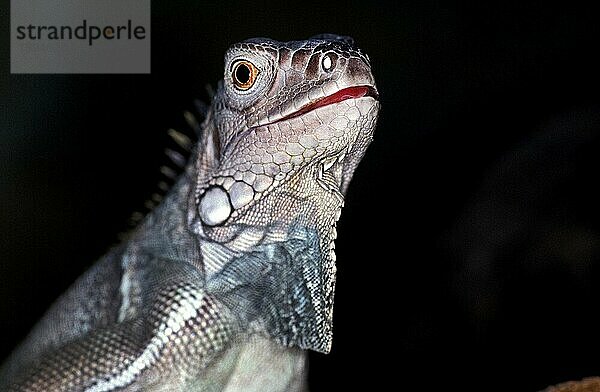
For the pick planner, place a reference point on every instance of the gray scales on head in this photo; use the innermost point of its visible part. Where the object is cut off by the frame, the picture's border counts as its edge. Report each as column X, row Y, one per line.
column 225, row 283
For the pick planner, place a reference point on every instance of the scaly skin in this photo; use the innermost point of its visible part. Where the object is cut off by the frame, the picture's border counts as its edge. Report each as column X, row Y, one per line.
column 226, row 283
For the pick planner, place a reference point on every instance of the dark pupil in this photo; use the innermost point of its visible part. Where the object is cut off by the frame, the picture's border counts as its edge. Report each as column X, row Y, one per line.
column 242, row 74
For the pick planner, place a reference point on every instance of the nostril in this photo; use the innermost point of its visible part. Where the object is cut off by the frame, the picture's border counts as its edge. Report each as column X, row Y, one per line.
column 328, row 62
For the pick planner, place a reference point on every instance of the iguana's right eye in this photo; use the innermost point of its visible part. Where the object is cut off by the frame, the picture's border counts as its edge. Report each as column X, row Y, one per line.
column 244, row 74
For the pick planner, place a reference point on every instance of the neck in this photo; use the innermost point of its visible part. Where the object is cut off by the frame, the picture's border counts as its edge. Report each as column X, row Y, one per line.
column 164, row 231
column 273, row 278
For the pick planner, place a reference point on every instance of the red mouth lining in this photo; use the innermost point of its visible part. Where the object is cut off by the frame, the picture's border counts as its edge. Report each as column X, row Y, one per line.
column 342, row 95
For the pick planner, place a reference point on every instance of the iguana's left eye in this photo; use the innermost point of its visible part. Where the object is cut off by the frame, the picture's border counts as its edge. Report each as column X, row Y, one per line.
column 244, row 74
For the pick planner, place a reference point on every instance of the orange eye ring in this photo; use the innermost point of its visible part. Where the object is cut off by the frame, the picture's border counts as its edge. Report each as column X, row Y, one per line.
column 244, row 74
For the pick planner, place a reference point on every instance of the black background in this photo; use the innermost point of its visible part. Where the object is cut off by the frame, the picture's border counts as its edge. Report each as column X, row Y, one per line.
column 469, row 248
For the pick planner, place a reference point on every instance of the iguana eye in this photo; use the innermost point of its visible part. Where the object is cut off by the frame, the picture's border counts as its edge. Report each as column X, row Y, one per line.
column 244, row 74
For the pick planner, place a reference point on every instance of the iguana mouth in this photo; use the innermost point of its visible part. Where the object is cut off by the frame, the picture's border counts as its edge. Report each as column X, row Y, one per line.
column 353, row 92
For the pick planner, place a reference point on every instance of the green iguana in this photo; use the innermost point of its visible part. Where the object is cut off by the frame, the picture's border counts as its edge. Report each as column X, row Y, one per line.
column 225, row 284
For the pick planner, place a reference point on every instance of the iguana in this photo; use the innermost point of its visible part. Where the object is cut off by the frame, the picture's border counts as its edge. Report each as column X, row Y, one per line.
column 227, row 282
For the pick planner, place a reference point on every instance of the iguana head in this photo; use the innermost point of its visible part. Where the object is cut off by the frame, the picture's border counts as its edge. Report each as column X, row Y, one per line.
column 288, row 125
